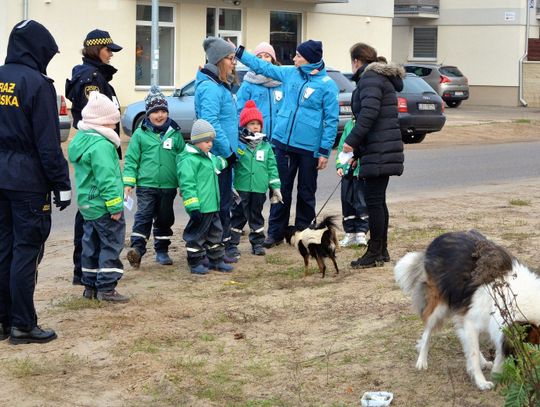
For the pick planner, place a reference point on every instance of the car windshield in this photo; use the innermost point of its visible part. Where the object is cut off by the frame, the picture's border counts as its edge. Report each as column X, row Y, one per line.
column 450, row 71
column 414, row 84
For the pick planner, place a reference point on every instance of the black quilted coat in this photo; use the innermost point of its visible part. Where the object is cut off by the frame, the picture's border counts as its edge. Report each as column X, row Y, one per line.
column 376, row 137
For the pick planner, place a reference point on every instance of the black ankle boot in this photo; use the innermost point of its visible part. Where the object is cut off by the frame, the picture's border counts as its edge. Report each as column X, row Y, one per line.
column 385, row 254
column 372, row 257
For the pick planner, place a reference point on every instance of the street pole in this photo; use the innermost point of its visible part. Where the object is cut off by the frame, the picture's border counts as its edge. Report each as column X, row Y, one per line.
column 155, row 43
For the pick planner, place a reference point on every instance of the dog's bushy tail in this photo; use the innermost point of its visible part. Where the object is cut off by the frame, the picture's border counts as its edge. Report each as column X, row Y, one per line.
column 410, row 274
column 330, row 222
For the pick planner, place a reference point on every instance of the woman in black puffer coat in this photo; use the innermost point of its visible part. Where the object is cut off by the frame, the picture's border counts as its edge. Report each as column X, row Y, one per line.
column 376, row 141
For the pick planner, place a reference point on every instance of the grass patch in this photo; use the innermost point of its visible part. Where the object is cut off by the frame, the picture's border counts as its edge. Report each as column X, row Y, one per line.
column 73, row 303
column 519, row 236
column 144, row 345
column 207, row 338
column 522, row 121
column 23, row 368
column 413, row 218
column 278, row 260
column 519, row 202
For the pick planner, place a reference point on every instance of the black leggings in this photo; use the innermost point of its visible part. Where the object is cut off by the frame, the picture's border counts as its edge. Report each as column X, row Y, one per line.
column 375, row 195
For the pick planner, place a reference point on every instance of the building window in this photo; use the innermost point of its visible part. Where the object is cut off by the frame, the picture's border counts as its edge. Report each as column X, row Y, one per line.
column 285, row 34
column 425, row 42
column 143, row 45
column 225, row 23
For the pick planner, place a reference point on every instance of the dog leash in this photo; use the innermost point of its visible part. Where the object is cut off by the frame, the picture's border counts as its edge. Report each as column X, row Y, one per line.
column 314, row 221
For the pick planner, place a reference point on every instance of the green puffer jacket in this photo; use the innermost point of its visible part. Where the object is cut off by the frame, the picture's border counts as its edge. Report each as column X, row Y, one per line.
column 197, row 175
column 151, row 161
column 97, row 174
column 256, row 169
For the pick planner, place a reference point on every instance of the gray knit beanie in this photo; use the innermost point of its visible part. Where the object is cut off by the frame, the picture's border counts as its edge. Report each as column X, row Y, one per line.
column 216, row 49
column 155, row 100
column 202, row 131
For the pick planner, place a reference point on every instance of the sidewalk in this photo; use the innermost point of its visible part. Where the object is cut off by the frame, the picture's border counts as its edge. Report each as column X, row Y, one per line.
column 471, row 114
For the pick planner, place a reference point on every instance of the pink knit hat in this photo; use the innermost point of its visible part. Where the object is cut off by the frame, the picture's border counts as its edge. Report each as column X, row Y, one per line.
column 100, row 110
column 265, row 47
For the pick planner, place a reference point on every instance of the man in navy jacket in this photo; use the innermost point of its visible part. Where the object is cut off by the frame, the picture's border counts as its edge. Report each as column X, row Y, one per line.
column 32, row 165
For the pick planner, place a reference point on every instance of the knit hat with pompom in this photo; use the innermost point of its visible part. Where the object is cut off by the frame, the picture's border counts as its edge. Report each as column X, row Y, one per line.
column 250, row 113
column 100, row 110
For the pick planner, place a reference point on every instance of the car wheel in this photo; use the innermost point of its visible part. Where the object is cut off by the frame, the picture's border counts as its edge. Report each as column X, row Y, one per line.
column 138, row 122
column 413, row 138
column 453, row 103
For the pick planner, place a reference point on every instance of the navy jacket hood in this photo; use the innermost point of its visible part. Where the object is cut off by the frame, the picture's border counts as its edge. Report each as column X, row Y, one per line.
column 31, row 44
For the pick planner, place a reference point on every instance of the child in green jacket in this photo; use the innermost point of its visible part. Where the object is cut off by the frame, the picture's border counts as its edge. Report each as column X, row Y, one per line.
column 150, row 164
column 255, row 172
column 197, row 171
column 100, row 196
column 353, row 203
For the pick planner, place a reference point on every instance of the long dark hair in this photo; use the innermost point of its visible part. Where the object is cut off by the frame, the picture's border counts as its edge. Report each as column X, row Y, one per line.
column 364, row 53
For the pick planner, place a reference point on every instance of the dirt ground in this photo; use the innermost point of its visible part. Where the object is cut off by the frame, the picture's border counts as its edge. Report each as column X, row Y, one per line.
column 266, row 335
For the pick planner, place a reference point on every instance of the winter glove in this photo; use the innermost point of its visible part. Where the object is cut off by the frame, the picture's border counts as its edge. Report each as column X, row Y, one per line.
column 276, row 196
column 231, row 160
column 62, row 199
column 236, row 196
column 196, row 216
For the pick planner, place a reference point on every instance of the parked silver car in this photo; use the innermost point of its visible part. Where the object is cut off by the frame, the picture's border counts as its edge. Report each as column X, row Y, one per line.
column 63, row 117
column 448, row 81
column 182, row 107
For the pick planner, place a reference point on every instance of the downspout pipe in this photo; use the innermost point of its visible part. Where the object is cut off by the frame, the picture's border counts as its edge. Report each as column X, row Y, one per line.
column 521, row 100
column 25, row 9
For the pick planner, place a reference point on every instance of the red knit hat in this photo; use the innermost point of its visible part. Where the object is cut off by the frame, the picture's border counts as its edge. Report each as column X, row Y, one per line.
column 249, row 113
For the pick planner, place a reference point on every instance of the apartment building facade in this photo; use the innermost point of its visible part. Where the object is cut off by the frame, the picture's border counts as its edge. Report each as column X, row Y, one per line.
column 183, row 24
column 484, row 38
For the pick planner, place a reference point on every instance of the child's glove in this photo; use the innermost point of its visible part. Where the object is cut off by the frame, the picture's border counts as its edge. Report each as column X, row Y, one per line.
column 276, row 196
column 62, row 199
column 196, row 216
column 231, row 159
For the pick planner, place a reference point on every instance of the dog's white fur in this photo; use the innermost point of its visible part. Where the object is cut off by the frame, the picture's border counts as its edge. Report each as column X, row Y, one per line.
column 482, row 315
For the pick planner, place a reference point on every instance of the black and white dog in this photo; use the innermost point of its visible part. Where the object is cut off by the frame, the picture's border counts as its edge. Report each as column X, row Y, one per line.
column 318, row 242
column 455, row 278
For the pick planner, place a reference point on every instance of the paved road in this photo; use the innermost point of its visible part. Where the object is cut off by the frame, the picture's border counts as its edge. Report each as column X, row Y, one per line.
column 470, row 114
column 427, row 171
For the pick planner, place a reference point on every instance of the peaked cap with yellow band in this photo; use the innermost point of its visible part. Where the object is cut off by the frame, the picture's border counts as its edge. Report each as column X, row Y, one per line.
column 100, row 37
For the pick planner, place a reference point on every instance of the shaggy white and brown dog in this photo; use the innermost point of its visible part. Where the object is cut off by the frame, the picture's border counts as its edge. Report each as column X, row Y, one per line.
column 318, row 242
column 455, row 277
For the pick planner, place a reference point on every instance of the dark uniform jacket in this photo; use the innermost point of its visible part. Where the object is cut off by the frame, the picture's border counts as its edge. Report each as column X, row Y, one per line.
column 30, row 155
column 376, row 137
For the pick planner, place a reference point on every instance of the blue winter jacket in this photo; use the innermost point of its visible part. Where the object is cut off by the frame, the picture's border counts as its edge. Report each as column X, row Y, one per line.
column 307, row 121
column 31, row 158
column 268, row 100
column 215, row 104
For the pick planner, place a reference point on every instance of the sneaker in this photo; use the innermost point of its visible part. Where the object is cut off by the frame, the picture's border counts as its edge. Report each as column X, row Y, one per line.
column 258, row 250
column 232, row 251
column 89, row 293
column 134, row 258
column 221, row 266
column 361, row 239
column 111, row 296
column 348, row 240
column 199, row 269
column 35, row 335
column 270, row 242
column 163, row 258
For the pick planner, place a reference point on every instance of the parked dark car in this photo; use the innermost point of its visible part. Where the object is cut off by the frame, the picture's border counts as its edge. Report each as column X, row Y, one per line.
column 182, row 108
column 446, row 80
column 420, row 109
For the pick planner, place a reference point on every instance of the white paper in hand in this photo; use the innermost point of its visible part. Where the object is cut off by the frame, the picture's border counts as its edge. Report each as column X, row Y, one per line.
column 128, row 203
column 344, row 157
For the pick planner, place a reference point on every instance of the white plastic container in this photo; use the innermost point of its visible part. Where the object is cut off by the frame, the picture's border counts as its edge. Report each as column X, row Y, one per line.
column 376, row 399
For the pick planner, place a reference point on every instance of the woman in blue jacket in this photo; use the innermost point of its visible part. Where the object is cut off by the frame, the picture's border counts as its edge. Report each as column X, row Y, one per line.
column 267, row 93
column 304, row 132
column 214, row 103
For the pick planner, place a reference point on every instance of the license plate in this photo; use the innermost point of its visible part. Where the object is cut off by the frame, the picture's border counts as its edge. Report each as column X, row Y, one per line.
column 345, row 110
column 426, row 106
column 458, row 93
